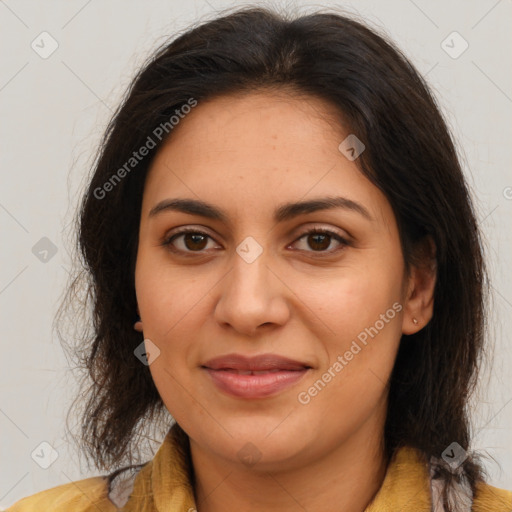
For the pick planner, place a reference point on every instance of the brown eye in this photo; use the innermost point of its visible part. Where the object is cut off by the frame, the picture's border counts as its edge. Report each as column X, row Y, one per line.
column 319, row 240
column 187, row 241
column 194, row 241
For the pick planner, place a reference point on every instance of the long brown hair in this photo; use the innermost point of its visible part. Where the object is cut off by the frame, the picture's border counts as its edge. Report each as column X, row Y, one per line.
column 409, row 155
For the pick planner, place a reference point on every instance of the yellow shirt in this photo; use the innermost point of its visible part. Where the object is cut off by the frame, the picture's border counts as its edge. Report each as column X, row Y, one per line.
column 163, row 485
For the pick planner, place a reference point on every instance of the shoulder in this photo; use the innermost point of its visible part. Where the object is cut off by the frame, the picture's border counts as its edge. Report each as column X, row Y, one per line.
column 90, row 494
column 491, row 499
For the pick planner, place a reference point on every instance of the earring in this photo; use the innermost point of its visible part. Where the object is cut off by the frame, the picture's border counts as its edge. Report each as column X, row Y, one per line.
column 415, row 321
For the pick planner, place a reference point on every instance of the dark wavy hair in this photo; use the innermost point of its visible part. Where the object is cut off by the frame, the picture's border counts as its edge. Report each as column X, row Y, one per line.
column 410, row 156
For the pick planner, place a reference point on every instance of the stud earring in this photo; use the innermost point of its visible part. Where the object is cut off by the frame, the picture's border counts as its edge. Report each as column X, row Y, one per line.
column 415, row 321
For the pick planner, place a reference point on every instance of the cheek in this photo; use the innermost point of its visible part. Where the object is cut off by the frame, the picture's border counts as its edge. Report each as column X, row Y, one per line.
column 167, row 296
column 176, row 389
column 362, row 311
column 351, row 300
column 351, row 385
column 172, row 304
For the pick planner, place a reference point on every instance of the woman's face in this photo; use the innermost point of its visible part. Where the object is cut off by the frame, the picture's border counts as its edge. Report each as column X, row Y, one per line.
column 254, row 283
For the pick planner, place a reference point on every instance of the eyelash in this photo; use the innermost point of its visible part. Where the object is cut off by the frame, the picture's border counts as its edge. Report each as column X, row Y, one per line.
column 167, row 242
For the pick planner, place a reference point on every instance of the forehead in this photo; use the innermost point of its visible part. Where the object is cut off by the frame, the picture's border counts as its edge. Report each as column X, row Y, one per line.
column 283, row 123
column 256, row 150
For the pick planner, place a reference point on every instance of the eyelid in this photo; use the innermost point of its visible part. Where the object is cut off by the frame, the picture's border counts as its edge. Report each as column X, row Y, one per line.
column 343, row 241
column 183, row 230
column 341, row 237
column 304, row 230
column 300, row 231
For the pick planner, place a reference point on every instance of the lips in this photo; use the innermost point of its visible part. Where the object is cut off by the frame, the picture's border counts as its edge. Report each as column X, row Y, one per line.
column 261, row 363
column 254, row 377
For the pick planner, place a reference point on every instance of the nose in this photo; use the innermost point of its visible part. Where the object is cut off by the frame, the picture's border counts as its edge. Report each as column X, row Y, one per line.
column 252, row 297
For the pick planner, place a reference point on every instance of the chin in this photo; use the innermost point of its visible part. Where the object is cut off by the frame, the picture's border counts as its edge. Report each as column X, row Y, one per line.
column 260, row 443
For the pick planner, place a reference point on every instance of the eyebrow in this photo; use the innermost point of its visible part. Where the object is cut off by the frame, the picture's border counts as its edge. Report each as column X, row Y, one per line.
column 282, row 213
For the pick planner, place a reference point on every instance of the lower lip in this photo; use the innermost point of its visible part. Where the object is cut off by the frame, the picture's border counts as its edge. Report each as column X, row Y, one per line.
column 255, row 386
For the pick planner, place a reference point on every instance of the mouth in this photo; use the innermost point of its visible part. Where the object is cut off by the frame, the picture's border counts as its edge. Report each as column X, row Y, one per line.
column 254, row 377
column 250, row 372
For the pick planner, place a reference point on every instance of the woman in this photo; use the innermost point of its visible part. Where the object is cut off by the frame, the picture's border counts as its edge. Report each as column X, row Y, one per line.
column 280, row 202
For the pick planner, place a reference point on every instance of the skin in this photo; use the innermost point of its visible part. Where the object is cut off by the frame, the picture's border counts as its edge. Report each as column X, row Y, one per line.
column 248, row 154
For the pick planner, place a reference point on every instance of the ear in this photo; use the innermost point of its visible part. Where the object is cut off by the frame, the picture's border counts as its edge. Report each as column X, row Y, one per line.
column 419, row 298
column 138, row 324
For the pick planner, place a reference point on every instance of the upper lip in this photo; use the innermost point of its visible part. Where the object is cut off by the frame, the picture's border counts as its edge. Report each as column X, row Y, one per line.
column 254, row 363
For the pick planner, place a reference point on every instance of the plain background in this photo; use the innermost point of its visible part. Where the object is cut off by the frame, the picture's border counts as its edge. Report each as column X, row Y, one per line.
column 54, row 111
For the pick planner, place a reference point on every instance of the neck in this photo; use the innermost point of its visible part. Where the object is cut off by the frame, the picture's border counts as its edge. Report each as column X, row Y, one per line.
column 349, row 475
